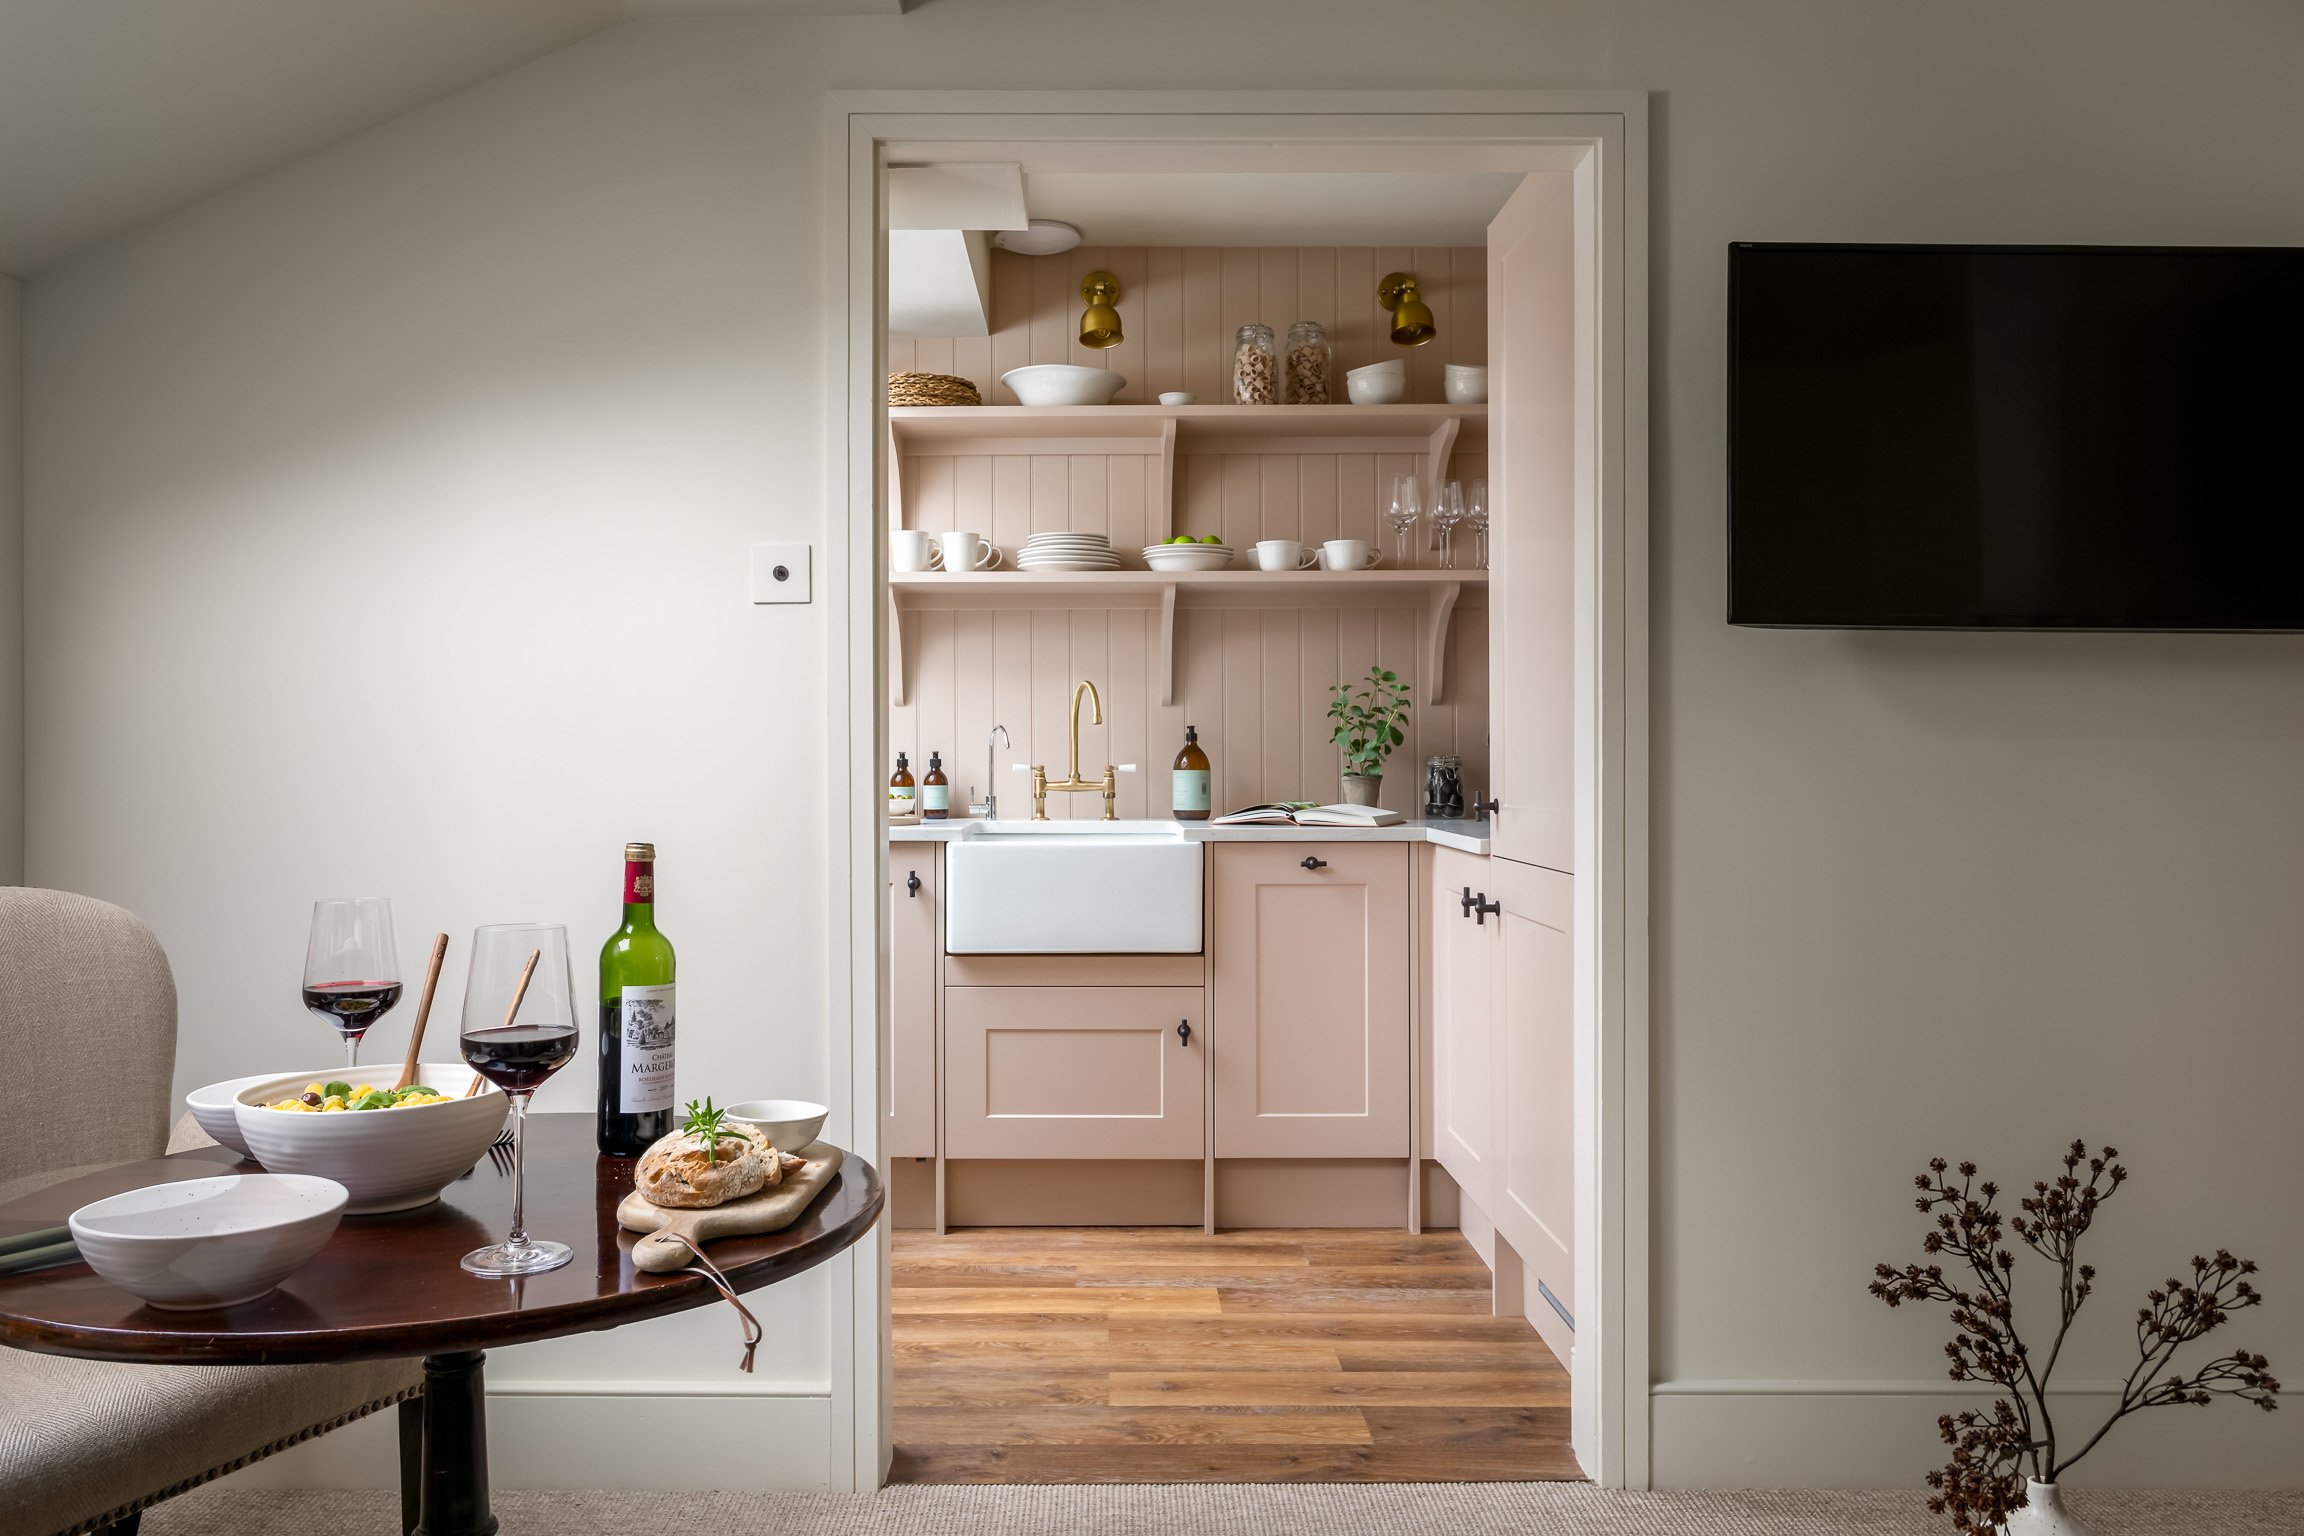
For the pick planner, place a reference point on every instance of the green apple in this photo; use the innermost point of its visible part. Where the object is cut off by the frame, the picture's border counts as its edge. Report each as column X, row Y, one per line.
column 1210, row 538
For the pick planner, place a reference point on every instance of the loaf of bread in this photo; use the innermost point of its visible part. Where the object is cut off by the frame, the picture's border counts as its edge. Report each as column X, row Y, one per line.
column 677, row 1173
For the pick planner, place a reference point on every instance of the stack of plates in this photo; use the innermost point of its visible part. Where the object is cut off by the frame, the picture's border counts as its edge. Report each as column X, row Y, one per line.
column 1067, row 552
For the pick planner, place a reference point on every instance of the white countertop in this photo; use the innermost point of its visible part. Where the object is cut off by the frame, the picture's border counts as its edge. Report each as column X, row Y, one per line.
column 1468, row 836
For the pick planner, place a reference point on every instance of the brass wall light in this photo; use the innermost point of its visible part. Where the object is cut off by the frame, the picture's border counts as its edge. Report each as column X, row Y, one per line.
column 1411, row 317
column 1100, row 321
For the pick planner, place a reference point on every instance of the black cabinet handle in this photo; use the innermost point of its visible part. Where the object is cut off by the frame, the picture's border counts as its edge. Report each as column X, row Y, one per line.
column 1184, row 1031
column 1483, row 809
column 1466, row 903
column 1483, row 909
column 912, row 883
column 1313, row 863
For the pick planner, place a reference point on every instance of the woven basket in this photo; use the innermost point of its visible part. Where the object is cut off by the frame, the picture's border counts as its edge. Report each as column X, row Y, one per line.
column 931, row 389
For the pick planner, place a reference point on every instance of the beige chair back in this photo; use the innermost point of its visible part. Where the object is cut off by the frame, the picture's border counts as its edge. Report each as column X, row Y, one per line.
column 87, row 1035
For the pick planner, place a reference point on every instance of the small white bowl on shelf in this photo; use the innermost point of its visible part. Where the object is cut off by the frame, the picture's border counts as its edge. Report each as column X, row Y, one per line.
column 1465, row 383
column 1187, row 557
column 214, row 1242
column 1063, row 384
column 791, row 1125
column 386, row 1159
column 1376, row 389
column 1179, row 397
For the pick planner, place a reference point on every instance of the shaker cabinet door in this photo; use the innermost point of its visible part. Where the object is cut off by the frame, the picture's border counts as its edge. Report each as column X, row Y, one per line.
column 1075, row 1072
column 1311, row 1006
column 1535, row 1090
column 1463, row 993
column 908, row 1051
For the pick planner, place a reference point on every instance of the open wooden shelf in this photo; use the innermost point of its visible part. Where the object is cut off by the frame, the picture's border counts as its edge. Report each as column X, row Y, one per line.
column 1436, row 593
column 1196, row 428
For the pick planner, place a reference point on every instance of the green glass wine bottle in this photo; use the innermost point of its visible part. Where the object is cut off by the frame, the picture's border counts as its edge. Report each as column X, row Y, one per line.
column 636, row 1013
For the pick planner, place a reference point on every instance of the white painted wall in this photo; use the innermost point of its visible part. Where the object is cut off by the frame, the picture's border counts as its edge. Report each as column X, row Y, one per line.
column 1960, row 893
column 11, row 581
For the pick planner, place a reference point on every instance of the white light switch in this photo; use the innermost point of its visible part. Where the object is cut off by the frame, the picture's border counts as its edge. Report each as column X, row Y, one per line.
column 780, row 573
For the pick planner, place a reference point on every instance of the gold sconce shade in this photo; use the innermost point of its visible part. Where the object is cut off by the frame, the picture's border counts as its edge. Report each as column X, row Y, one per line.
column 1411, row 317
column 1100, row 321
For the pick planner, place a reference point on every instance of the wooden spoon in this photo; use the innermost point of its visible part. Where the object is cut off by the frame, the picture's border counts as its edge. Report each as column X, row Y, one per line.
column 423, row 1012
column 518, row 993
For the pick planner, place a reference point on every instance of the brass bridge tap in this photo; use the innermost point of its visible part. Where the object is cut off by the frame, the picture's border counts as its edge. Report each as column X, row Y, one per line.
column 1072, row 784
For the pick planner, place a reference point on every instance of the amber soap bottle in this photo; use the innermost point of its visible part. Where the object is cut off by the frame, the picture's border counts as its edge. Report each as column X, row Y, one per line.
column 903, row 795
column 935, row 791
column 1188, row 795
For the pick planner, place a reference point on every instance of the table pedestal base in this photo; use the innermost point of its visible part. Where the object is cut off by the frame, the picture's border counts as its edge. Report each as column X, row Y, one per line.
column 452, row 1473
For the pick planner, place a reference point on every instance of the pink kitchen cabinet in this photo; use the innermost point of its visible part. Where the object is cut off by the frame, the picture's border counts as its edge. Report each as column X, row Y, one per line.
column 1075, row 1072
column 908, row 1048
column 1309, row 943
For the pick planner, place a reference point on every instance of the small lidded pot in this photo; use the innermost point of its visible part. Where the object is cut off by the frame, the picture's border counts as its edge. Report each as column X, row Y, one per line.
column 1309, row 357
column 1255, row 367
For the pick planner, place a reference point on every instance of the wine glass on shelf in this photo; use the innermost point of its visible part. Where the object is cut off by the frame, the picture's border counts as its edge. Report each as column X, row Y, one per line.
column 1406, row 509
column 1447, row 512
column 519, row 1029
column 1476, row 519
column 352, row 967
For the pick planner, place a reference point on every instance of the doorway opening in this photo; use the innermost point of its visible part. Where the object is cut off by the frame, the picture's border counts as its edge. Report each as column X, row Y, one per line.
column 1258, row 1154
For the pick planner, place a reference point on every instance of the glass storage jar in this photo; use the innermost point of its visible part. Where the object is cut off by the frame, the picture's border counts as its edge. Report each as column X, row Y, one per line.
column 1309, row 355
column 1255, row 367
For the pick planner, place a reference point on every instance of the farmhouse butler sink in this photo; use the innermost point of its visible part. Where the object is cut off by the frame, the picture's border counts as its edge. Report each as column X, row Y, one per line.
column 1072, row 888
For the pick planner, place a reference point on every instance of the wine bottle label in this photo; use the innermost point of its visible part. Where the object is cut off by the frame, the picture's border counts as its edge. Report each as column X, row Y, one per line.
column 647, row 1066
column 639, row 883
column 935, row 797
column 1190, row 789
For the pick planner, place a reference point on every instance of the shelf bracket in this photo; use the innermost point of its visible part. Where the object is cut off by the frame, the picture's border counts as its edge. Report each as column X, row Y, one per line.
column 897, row 691
column 1436, row 466
column 1168, row 481
column 1168, row 644
column 895, row 463
column 1436, row 620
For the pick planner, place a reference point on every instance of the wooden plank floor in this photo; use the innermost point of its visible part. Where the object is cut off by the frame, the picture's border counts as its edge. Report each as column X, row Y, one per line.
column 1128, row 1355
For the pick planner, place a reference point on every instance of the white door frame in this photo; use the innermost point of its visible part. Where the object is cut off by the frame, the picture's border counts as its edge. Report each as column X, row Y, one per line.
column 1605, row 135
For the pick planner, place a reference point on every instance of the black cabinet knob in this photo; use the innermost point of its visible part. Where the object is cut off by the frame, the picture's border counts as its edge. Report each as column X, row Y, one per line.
column 1466, row 903
column 1483, row 809
column 912, row 883
column 1313, row 863
column 1483, row 909
column 1184, row 1032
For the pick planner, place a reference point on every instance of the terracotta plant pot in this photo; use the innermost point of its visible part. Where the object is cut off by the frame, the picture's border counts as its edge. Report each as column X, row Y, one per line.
column 1362, row 788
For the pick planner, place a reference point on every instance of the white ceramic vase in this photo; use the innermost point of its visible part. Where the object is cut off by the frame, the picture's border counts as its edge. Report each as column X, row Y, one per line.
column 2043, row 1514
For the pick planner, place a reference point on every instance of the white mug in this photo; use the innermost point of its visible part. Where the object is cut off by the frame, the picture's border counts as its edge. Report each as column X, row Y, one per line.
column 911, row 550
column 968, row 552
column 1348, row 555
column 1283, row 555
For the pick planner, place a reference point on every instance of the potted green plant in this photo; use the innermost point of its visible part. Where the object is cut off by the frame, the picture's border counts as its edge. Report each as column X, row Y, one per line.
column 1369, row 724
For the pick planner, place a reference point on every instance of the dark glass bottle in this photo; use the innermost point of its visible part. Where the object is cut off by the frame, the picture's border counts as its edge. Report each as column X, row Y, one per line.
column 935, row 792
column 1188, row 794
column 903, row 795
column 636, row 1014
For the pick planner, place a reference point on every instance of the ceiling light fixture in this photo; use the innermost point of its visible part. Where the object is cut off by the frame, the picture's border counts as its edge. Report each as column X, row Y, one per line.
column 1042, row 237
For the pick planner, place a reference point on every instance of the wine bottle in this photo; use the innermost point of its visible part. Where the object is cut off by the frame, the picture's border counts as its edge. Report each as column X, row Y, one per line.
column 903, row 798
column 636, row 1012
column 1188, row 794
column 935, row 792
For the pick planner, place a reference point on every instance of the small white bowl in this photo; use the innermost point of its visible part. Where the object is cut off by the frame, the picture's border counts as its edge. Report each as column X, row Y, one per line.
column 1063, row 384
column 791, row 1125
column 388, row 1159
column 1465, row 383
column 1397, row 367
column 208, row 1242
column 1179, row 397
column 214, row 1106
column 1187, row 557
column 1375, row 389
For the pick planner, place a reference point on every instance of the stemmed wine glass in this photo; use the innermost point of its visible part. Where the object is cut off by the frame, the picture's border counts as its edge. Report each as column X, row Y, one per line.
column 352, row 967
column 1447, row 512
column 1407, row 507
column 519, row 1029
column 1476, row 518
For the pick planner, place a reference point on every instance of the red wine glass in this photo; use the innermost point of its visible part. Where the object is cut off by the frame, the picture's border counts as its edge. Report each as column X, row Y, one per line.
column 352, row 967
column 519, row 1029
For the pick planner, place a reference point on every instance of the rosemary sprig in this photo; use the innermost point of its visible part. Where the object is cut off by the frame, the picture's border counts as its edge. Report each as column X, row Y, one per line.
column 706, row 1122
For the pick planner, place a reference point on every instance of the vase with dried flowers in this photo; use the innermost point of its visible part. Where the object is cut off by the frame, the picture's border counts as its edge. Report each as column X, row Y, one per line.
column 2005, row 1466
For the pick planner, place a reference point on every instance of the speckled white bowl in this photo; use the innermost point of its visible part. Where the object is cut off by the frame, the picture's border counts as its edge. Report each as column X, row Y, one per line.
column 1063, row 384
column 215, row 1107
column 208, row 1243
column 389, row 1159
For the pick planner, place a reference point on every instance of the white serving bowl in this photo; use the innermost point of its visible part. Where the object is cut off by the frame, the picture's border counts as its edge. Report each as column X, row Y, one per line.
column 1465, row 383
column 1063, row 384
column 1187, row 557
column 208, row 1242
column 214, row 1107
column 388, row 1159
column 1179, row 397
column 1397, row 367
column 1375, row 388
column 789, row 1124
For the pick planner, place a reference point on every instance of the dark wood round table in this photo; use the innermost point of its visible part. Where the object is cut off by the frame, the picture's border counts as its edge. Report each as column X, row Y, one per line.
column 388, row 1287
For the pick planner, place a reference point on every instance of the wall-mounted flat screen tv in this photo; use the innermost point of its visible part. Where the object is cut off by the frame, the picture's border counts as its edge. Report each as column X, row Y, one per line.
column 1983, row 437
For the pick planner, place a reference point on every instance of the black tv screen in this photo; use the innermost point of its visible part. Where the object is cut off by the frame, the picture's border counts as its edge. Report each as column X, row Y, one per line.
column 1979, row 437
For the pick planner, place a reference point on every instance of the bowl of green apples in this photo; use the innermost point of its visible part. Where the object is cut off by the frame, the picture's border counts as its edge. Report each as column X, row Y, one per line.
column 1188, row 552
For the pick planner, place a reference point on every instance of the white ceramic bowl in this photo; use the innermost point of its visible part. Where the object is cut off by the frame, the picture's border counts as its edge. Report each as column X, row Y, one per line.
column 1465, row 383
column 1063, row 384
column 1179, row 397
column 1187, row 557
column 789, row 1124
column 214, row 1107
column 1375, row 388
column 388, row 1159
column 1397, row 367
column 208, row 1242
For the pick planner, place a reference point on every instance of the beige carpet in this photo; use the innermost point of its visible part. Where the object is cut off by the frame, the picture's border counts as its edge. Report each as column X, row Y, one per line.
column 1324, row 1509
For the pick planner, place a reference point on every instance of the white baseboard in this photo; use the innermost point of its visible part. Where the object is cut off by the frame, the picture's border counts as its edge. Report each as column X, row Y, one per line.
column 1882, row 1434
column 654, row 1437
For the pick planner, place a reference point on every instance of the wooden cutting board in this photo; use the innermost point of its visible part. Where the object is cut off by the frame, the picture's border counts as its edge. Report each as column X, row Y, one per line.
column 767, row 1210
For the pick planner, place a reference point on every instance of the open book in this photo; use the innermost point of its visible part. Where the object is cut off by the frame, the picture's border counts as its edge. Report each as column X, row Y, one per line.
column 1305, row 813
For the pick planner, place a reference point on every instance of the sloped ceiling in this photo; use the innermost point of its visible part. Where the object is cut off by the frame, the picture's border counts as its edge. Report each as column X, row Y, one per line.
column 114, row 112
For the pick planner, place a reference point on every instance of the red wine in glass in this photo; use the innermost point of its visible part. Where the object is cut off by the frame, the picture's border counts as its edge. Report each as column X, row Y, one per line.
column 520, row 1058
column 352, row 1006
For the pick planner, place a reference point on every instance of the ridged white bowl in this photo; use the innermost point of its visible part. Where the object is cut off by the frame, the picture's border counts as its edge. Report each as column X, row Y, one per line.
column 1465, row 383
column 216, row 1106
column 389, row 1159
column 1063, row 384
column 1187, row 557
column 1376, row 388
column 208, row 1243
